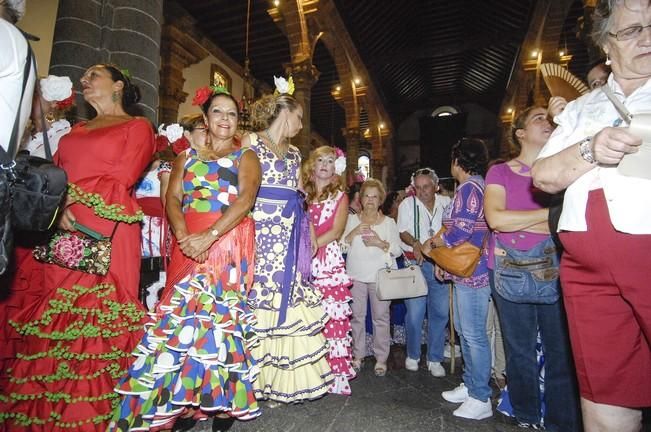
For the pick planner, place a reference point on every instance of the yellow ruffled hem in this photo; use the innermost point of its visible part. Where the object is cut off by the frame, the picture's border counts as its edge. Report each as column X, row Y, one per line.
column 309, row 381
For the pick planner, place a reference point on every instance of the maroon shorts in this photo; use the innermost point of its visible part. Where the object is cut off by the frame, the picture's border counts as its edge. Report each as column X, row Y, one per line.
column 606, row 280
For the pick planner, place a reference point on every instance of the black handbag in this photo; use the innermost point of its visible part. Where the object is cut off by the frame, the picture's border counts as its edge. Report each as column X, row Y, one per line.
column 31, row 188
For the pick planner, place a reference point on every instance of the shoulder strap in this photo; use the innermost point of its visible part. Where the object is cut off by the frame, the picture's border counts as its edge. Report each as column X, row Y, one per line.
column 13, row 142
column 416, row 220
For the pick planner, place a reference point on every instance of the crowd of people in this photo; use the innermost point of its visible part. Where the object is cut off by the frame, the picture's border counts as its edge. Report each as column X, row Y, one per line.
column 238, row 272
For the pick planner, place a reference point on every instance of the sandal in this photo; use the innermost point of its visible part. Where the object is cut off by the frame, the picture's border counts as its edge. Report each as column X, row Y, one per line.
column 356, row 364
column 380, row 369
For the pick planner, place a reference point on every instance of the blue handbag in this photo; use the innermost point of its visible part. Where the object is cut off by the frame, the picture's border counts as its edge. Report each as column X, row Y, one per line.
column 528, row 276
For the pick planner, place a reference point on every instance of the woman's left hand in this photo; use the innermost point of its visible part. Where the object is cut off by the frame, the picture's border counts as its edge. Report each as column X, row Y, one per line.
column 194, row 245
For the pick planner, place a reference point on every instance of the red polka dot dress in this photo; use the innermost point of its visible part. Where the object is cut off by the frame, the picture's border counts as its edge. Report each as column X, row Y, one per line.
column 330, row 278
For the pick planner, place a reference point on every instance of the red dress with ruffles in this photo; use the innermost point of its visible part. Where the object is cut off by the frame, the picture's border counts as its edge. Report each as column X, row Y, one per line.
column 74, row 332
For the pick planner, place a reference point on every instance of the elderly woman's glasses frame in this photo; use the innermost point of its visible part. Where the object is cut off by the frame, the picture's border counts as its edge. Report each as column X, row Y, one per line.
column 629, row 32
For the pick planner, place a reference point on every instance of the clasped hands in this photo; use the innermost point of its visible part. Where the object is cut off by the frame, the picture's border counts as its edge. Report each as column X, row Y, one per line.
column 196, row 245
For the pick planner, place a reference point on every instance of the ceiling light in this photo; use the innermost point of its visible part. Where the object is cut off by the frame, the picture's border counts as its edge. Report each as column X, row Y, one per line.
column 509, row 110
column 276, row 3
column 534, row 53
column 358, row 81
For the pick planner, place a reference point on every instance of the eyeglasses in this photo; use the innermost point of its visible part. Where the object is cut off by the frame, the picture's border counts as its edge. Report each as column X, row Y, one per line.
column 629, row 32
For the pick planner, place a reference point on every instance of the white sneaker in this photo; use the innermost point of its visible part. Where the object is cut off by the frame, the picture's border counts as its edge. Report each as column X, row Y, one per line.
column 474, row 409
column 436, row 369
column 411, row 364
column 446, row 351
column 458, row 395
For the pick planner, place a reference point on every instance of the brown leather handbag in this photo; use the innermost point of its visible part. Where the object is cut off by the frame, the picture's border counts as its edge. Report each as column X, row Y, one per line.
column 460, row 260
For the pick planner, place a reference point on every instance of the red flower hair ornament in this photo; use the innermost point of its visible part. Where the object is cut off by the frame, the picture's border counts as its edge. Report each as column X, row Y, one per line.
column 204, row 93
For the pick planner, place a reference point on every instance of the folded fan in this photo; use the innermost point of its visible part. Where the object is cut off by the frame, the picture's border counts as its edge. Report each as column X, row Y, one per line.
column 562, row 82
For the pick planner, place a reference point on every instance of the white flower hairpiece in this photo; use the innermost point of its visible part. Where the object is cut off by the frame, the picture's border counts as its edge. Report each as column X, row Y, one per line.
column 340, row 162
column 172, row 132
column 284, row 86
column 55, row 88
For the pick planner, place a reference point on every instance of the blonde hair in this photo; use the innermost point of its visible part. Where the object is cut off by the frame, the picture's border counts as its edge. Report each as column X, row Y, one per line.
column 373, row 183
column 267, row 109
column 307, row 171
column 190, row 122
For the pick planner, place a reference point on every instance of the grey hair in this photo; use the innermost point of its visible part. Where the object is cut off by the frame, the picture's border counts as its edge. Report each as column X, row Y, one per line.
column 601, row 20
column 431, row 174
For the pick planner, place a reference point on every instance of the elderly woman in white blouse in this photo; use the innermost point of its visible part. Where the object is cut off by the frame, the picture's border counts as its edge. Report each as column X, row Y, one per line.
column 373, row 242
column 605, row 225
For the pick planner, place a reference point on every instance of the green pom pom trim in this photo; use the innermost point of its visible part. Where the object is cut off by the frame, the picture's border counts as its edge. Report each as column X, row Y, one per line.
column 114, row 212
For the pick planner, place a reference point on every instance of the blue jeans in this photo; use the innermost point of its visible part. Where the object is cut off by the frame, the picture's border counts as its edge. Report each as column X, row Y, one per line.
column 470, row 315
column 520, row 325
column 437, row 303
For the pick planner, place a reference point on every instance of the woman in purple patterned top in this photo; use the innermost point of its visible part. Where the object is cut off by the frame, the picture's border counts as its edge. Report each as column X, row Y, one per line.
column 464, row 220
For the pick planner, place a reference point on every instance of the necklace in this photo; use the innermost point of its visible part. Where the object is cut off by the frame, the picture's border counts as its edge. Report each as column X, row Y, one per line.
column 376, row 218
column 275, row 147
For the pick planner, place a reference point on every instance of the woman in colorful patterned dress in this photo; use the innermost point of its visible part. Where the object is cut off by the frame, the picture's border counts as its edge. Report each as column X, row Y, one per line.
column 290, row 319
column 194, row 359
column 74, row 334
column 328, row 211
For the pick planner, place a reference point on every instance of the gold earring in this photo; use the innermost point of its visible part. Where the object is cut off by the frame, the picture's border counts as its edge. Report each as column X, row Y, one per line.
column 115, row 96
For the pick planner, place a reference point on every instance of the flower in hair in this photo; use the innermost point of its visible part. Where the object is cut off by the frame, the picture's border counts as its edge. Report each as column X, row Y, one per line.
column 204, row 93
column 173, row 132
column 126, row 73
column 284, row 86
column 55, row 88
column 340, row 162
column 66, row 103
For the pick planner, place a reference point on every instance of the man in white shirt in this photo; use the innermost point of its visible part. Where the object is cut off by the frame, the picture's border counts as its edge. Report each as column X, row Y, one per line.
column 419, row 218
column 13, row 47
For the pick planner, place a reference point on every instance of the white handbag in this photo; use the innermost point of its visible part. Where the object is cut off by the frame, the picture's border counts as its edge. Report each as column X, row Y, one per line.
column 391, row 284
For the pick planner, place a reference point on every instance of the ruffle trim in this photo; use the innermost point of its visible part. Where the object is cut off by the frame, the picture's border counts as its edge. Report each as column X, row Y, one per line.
column 287, row 386
column 195, row 353
column 301, row 320
column 73, row 347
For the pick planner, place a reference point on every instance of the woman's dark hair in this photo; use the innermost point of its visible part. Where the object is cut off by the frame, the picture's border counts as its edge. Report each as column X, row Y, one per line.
column 471, row 155
column 388, row 202
column 206, row 105
column 130, row 92
column 266, row 109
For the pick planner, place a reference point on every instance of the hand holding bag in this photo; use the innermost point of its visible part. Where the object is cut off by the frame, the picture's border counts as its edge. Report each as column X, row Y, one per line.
column 88, row 253
column 460, row 260
column 408, row 282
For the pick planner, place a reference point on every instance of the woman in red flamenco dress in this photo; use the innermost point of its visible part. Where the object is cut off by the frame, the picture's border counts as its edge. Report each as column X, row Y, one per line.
column 75, row 333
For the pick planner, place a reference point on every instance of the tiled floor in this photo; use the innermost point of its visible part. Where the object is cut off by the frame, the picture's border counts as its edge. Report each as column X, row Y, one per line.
column 400, row 401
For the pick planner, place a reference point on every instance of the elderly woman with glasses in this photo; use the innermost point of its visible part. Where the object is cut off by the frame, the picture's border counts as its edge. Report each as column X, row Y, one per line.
column 605, row 225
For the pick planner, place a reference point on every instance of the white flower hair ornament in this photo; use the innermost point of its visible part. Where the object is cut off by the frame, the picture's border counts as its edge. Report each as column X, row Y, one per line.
column 340, row 162
column 284, row 86
column 55, row 88
column 172, row 132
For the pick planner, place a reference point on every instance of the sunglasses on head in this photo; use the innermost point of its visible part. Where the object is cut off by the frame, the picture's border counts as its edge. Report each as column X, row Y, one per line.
column 423, row 171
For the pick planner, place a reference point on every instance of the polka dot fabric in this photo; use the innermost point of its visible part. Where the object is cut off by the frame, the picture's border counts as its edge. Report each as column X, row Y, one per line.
column 330, row 278
column 291, row 356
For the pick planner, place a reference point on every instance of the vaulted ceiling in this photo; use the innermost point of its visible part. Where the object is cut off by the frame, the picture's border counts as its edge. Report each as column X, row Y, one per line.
column 419, row 53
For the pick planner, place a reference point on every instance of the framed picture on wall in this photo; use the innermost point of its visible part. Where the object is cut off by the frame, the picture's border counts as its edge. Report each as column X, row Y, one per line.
column 219, row 77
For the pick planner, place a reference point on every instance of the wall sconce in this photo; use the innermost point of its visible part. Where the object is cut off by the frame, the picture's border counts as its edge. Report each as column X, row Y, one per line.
column 357, row 81
column 509, row 110
column 534, row 53
column 276, row 3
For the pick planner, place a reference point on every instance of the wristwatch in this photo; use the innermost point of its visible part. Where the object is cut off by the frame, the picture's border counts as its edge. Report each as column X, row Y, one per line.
column 585, row 150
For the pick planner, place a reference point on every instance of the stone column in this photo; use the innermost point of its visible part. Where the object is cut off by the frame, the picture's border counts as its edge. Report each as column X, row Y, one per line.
column 124, row 32
column 353, row 137
column 305, row 74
